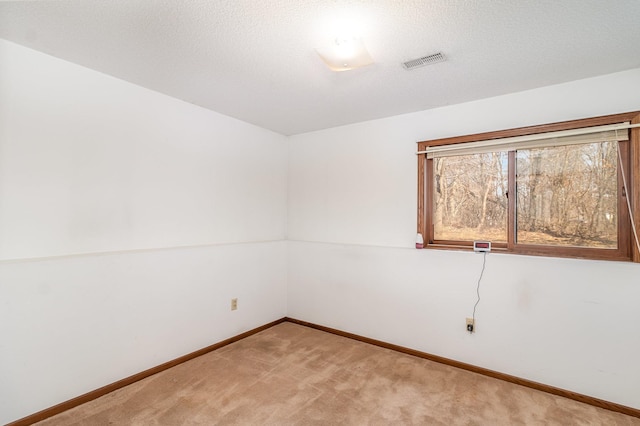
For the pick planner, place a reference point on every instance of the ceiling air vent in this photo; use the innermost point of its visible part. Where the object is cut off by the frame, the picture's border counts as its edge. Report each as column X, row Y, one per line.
column 425, row 60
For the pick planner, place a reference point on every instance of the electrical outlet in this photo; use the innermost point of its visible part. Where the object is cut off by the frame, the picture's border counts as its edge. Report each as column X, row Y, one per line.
column 471, row 325
column 234, row 304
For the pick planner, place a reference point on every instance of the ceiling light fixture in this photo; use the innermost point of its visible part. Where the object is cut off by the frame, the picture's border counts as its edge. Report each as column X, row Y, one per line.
column 345, row 53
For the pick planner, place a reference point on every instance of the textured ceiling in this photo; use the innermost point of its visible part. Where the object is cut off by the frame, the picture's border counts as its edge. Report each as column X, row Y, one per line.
column 255, row 59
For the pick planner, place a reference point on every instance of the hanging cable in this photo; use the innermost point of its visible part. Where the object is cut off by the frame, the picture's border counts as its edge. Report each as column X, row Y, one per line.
column 484, row 263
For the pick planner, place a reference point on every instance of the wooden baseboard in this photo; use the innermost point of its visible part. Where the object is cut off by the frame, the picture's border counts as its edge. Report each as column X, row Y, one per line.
column 89, row 396
column 64, row 406
column 484, row 371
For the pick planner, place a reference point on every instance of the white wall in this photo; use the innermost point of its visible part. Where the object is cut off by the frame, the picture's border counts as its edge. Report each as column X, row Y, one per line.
column 127, row 221
column 90, row 163
column 352, row 218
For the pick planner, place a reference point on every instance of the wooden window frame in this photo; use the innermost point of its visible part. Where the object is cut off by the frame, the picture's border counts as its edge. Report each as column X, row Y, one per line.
column 630, row 150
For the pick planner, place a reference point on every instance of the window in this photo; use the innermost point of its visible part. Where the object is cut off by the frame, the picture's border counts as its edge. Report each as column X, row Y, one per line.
column 554, row 190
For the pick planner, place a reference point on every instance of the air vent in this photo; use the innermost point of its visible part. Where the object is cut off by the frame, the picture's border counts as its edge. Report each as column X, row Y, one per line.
column 425, row 60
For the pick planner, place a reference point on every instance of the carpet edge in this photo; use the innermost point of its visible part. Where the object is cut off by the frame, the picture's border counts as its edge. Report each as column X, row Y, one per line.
column 97, row 393
column 600, row 403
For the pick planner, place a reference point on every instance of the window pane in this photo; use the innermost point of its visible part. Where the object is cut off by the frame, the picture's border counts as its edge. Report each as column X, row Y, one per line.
column 567, row 196
column 469, row 197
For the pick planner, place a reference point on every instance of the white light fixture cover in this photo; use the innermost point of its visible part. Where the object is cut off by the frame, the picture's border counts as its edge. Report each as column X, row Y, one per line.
column 345, row 53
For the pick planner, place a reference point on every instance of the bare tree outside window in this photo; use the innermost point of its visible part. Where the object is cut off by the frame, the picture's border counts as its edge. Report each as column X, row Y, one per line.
column 567, row 196
column 470, row 197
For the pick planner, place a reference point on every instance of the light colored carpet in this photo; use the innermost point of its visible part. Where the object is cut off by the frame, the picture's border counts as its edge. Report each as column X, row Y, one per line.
column 294, row 375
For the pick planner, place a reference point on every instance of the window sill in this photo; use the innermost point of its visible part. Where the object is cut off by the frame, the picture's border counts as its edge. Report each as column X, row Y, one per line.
column 568, row 253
